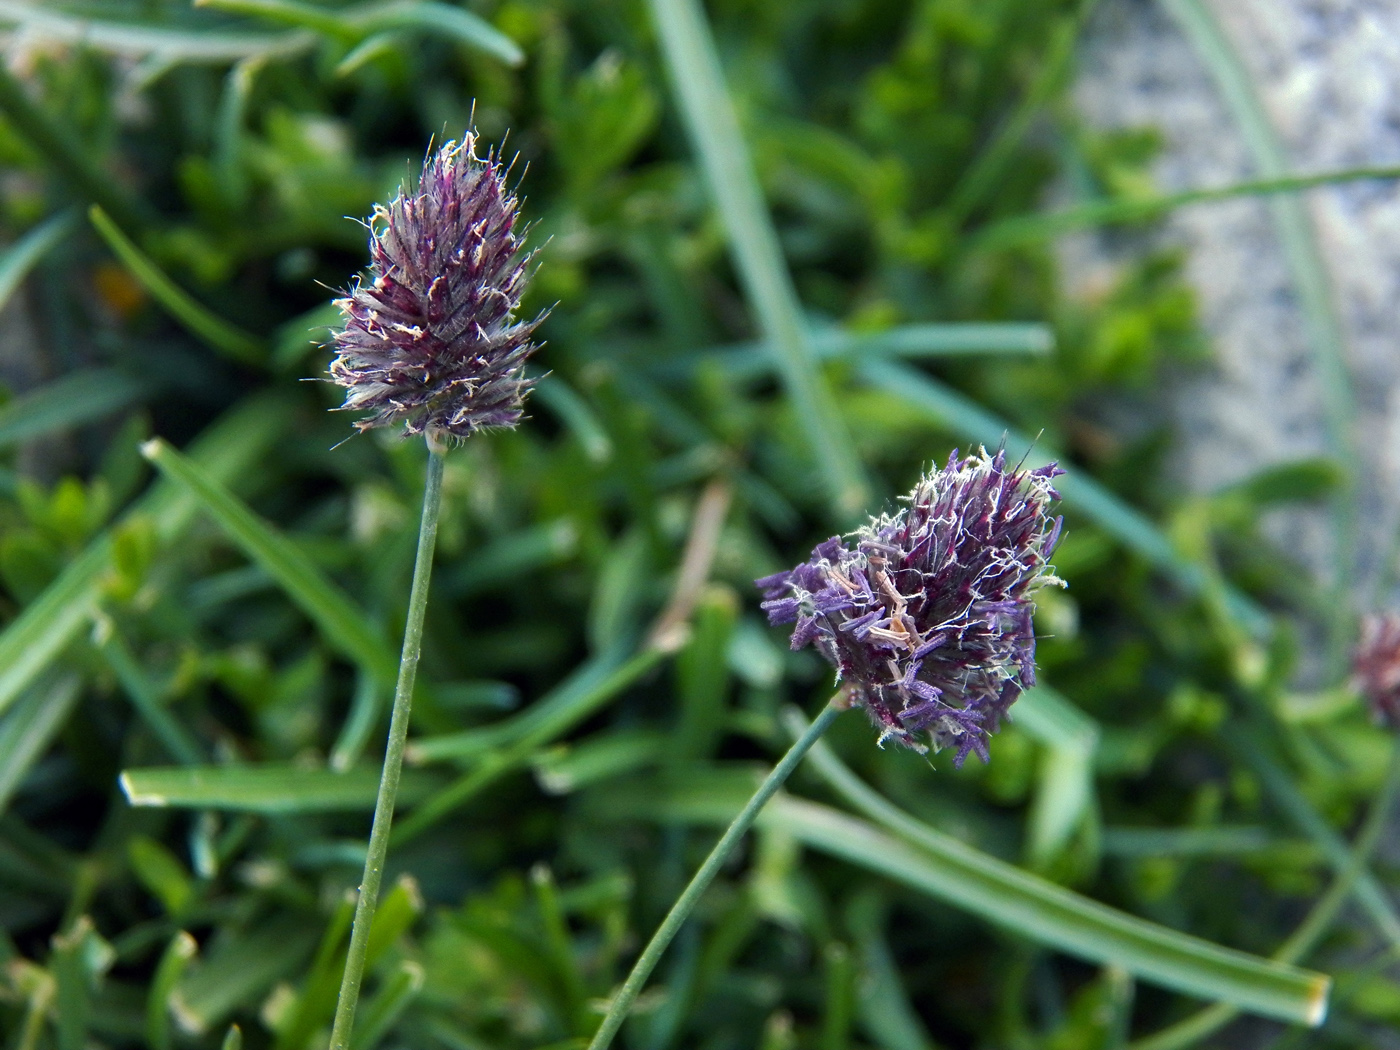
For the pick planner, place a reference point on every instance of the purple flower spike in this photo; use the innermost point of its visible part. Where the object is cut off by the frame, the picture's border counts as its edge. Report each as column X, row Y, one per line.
column 1376, row 667
column 430, row 337
column 926, row 615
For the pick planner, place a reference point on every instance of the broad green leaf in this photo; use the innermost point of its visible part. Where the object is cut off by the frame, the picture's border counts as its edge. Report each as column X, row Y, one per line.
column 708, row 113
column 50, row 622
column 265, row 788
column 339, row 618
column 952, row 871
column 1081, row 492
column 19, row 258
column 29, row 727
column 68, row 402
column 224, row 336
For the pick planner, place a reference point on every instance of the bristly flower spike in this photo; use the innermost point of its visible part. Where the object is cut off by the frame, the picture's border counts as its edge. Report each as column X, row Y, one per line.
column 430, row 338
column 1376, row 667
column 926, row 614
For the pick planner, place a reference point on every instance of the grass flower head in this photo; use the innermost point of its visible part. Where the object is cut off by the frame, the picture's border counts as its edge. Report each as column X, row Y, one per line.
column 927, row 613
column 430, row 338
column 1376, row 667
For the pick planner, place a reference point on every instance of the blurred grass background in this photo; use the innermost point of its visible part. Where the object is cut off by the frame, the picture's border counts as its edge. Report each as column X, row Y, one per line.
column 876, row 287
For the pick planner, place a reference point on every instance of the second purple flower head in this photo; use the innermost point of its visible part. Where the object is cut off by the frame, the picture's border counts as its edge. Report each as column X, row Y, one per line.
column 927, row 613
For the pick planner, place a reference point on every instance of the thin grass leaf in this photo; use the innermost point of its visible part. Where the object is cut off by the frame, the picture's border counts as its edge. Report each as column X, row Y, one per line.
column 1310, row 278
column 1026, row 229
column 28, row 729
column 574, row 413
column 229, row 134
column 1081, row 492
column 582, row 696
column 223, row 336
column 169, row 970
column 511, row 557
column 985, row 173
column 1220, row 841
column 53, row 620
column 950, row 870
column 1283, row 791
column 135, row 39
column 175, row 738
column 54, row 143
column 917, row 341
column 339, row 618
column 68, row 402
column 886, row 1013
column 237, row 968
column 316, row 1003
column 709, row 116
column 441, row 20
column 1065, row 794
column 332, row 23
column 395, row 996
column 19, row 258
column 265, row 788
column 366, row 705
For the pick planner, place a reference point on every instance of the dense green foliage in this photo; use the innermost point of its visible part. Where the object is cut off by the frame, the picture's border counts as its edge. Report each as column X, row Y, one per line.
column 1173, row 772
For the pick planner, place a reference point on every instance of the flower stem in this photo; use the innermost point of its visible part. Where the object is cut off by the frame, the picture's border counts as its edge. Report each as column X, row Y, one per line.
column 393, row 753
column 675, row 918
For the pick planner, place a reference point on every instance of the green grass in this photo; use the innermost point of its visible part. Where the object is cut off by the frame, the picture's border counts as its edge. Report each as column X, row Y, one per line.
column 794, row 254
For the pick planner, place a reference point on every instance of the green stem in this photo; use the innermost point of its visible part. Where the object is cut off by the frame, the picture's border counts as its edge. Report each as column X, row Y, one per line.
column 393, row 753
column 1309, row 932
column 685, row 903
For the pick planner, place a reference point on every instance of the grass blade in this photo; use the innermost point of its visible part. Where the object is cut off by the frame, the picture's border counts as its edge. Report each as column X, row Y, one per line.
column 265, row 788
column 831, row 343
column 709, row 116
column 393, row 998
column 19, row 258
column 442, row 20
column 29, row 728
column 323, row 20
column 223, row 336
column 573, row 411
column 338, row 617
column 49, row 623
column 951, row 870
column 1065, row 795
column 1310, row 278
column 176, row 740
column 1081, row 492
column 169, row 970
column 1283, row 791
column 67, row 157
column 68, row 402
column 138, row 40
column 1029, row 228
column 580, row 697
